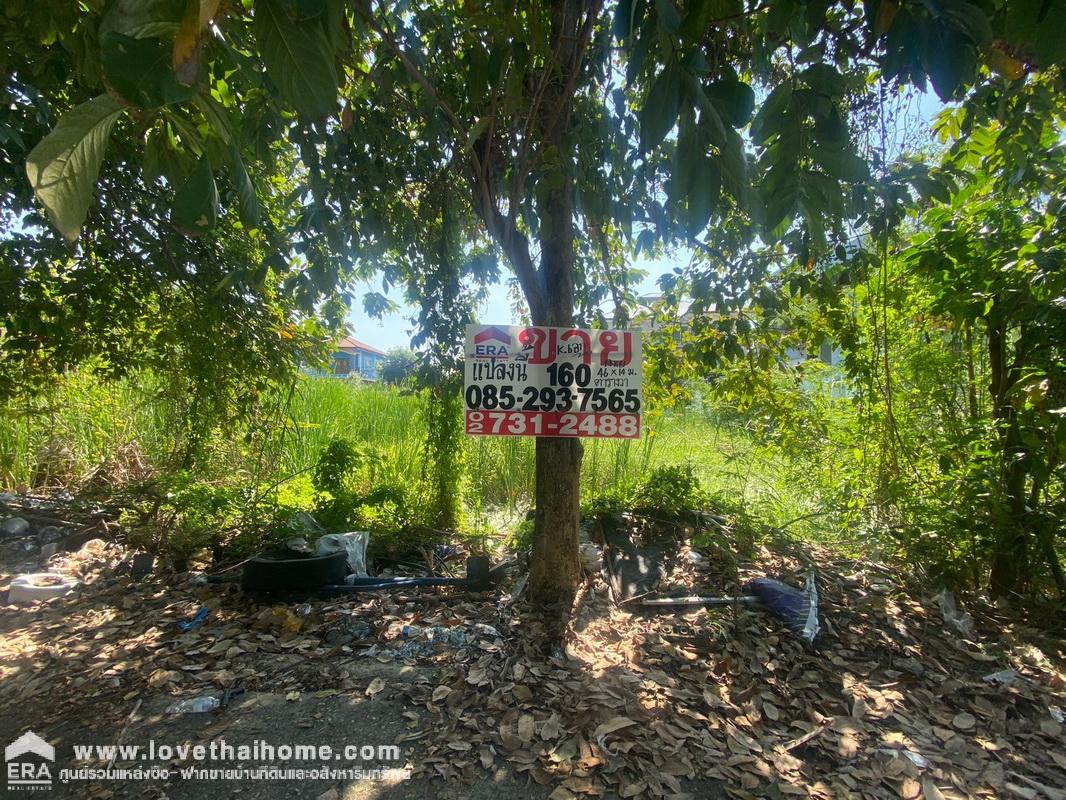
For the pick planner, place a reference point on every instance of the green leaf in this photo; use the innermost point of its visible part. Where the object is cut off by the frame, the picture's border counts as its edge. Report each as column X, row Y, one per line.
column 779, row 192
column 825, row 79
column 477, row 130
column 830, row 129
column 477, row 75
column 247, row 202
column 950, row 60
column 705, row 184
column 711, row 123
column 140, row 71
column 931, row 187
column 780, row 16
column 1030, row 24
column 733, row 166
column 64, row 165
column 700, row 13
column 660, row 108
column 735, row 101
column 162, row 157
column 841, row 164
column 298, row 58
column 195, row 207
column 768, row 120
column 142, row 18
column 969, row 19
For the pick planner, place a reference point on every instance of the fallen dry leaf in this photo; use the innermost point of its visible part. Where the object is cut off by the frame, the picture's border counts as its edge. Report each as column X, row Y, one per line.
column 612, row 725
column 375, row 686
column 964, row 721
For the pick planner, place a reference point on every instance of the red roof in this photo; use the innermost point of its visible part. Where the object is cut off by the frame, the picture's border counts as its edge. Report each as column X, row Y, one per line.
column 348, row 343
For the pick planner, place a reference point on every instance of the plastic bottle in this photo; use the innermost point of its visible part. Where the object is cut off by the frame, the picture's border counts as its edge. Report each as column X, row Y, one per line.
column 194, row 705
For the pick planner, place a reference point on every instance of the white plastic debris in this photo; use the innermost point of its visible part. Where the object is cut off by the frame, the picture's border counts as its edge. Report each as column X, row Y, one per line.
column 298, row 544
column 917, row 759
column 1003, row 678
column 40, row 586
column 353, row 543
column 591, row 557
column 193, row 705
column 959, row 620
column 810, row 630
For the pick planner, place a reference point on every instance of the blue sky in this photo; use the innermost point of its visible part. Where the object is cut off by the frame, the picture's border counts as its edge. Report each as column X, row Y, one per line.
column 394, row 330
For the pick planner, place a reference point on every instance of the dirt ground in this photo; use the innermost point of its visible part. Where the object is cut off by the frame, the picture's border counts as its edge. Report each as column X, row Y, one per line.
column 894, row 700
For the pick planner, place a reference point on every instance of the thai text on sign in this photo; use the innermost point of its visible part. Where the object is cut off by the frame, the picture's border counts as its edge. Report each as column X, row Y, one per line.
column 540, row 381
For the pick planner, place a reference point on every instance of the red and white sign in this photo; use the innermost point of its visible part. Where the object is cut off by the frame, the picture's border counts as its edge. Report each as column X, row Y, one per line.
column 539, row 381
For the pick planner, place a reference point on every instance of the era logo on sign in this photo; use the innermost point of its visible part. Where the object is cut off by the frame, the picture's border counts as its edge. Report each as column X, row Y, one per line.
column 490, row 351
column 492, row 343
column 23, row 773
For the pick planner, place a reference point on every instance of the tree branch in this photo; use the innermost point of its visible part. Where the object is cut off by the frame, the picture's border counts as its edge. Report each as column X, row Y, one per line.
column 367, row 17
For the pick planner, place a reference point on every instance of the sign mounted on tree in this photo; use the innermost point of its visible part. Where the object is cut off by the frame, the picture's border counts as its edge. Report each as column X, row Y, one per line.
column 538, row 381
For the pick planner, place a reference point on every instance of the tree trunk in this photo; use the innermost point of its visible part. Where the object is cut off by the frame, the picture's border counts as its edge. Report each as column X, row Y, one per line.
column 554, row 571
column 1010, row 549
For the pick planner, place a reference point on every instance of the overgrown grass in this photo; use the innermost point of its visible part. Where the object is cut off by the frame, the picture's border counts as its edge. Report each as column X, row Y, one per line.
column 82, row 418
column 90, row 420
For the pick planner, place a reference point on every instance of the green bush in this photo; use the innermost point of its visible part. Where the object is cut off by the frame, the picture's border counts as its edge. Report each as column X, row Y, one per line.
column 671, row 489
column 667, row 489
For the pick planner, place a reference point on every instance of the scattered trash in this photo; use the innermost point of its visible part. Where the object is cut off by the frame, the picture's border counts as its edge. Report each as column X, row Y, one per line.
column 194, row 705
column 141, row 565
column 305, row 523
column 695, row 557
column 298, row 544
column 591, row 557
column 279, row 618
column 353, row 543
column 798, row 610
column 361, row 630
column 26, row 547
column 1057, row 714
column 40, row 586
column 427, row 641
column 477, row 579
column 196, row 621
column 1003, row 678
column 49, row 534
column 634, row 570
column 959, row 620
column 917, row 759
column 15, row 526
column 289, row 572
column 305, row 610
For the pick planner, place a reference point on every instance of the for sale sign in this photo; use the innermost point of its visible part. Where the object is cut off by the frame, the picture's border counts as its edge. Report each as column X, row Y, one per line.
column 539, row 381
